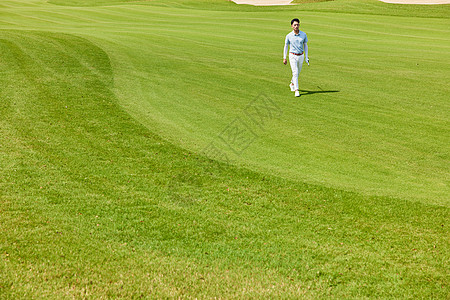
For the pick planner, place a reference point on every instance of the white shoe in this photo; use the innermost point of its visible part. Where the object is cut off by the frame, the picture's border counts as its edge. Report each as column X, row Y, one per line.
column 297, row 93
column 292, row 87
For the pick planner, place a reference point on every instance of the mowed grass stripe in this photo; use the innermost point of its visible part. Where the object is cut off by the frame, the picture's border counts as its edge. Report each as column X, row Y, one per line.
column 20, row 4
column 70, row 18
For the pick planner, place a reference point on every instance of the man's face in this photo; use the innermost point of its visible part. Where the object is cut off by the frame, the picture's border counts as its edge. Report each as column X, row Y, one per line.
column 295, row 26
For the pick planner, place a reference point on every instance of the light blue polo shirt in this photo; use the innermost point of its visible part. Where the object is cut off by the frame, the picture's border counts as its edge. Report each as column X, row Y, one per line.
column 296, row 41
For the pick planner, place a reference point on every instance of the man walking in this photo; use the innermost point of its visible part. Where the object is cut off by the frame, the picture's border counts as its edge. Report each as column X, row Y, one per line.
column 298, row 52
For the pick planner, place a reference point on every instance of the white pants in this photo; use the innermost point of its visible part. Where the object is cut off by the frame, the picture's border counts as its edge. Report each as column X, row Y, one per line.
column 296, row 62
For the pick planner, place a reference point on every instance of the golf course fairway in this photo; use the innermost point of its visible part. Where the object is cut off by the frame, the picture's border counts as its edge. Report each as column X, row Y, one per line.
column 154, row 149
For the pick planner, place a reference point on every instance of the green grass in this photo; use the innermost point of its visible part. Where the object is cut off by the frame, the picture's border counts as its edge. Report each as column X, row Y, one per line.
column 106, row 112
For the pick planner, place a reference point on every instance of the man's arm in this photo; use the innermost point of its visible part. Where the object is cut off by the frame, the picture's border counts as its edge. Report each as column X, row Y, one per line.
column 286, row 45
column 306, row 54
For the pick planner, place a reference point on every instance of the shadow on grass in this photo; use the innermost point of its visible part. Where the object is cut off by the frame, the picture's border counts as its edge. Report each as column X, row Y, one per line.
column 306, row 92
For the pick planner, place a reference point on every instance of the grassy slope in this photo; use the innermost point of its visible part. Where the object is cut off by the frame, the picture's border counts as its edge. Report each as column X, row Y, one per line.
column 94, row 204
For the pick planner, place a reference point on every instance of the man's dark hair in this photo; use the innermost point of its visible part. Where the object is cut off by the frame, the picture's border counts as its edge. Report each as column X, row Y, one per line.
column 295, row 20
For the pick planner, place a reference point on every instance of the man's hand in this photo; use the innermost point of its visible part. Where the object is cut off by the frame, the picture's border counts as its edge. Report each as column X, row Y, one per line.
column 307, row 60
column 284, row 61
